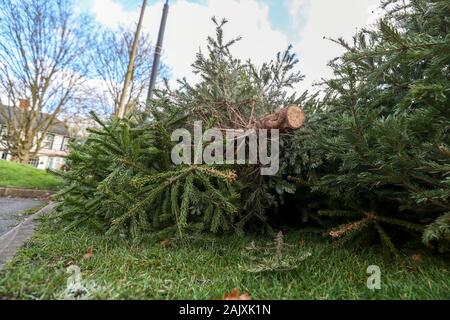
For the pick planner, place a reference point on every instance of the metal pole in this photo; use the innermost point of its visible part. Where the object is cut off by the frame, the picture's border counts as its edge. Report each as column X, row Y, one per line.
column 122, row 107
column 158, row 50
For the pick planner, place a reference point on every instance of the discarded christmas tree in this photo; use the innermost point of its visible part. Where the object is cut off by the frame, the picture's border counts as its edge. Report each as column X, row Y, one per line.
column 123, row 181
column 379, row 142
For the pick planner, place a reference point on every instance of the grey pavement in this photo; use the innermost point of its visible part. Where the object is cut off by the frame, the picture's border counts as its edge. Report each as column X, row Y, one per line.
column 14, row 238
column 10, row 212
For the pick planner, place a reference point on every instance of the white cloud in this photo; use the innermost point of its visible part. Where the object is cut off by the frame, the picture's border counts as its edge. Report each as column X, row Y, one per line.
column 189, row 25
column 332, row 19
column 110, row 13
column 295, row 6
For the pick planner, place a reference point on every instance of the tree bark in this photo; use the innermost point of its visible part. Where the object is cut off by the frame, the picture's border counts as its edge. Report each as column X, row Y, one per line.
column 22, row 153
column 24, row 158
column 287, row 119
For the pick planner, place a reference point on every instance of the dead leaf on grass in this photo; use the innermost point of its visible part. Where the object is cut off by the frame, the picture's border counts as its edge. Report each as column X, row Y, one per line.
column 89, row 253
column 165, row 243
column 417, row 257
column 234, row 295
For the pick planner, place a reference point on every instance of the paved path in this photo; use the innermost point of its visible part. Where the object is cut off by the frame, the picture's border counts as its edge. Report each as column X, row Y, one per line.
column 12, row 240
column 10, row 210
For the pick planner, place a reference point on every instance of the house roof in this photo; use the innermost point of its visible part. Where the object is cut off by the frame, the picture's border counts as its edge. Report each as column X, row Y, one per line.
column 58, row 127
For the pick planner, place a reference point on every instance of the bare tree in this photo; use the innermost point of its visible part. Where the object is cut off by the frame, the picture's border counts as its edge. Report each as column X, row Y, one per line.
column 41, row 69
column 110, row 59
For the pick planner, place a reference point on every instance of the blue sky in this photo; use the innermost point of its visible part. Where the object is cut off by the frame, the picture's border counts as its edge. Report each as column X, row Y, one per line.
column 267, row 26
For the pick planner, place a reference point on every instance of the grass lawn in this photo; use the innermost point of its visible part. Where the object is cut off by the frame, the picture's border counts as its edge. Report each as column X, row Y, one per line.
column 206, row 268
column 24, row 176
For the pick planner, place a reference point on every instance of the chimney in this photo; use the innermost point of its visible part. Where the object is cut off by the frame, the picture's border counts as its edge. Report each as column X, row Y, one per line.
column 24, row 104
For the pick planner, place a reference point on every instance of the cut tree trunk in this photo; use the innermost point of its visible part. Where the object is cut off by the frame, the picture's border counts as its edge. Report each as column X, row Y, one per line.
column 287, row 119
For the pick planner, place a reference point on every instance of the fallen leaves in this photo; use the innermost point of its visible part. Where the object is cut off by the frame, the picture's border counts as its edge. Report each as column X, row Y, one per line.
column 165, row 243
column 89, row 253
column 416, row 257
column 412, row 262
column 234, row 295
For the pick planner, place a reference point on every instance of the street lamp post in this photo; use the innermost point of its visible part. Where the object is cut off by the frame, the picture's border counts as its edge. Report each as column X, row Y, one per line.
column 158, row 50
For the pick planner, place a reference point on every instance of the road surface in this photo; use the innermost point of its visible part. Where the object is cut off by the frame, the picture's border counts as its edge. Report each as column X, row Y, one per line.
column 10, row 210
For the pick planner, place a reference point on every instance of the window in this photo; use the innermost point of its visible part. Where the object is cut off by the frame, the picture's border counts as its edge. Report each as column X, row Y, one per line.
column 4, row 155
column 48, row 142
column 65, row 144
column 34, row 162
column 51, row 163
